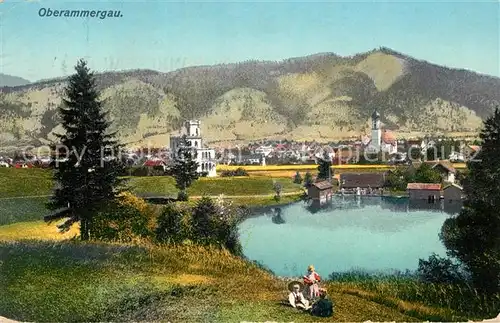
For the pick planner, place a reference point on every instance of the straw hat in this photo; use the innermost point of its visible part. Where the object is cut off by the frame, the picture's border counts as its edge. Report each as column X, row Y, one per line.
column 295, row 282
column 310, row 268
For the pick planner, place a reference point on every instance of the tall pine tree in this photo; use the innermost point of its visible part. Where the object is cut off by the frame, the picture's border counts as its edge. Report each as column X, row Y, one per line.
column 324, row 167
column 185, row 168
column 88, row 178
column 474, row 235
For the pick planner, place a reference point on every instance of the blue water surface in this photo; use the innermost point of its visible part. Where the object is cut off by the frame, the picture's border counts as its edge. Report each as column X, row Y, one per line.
column 350, row 233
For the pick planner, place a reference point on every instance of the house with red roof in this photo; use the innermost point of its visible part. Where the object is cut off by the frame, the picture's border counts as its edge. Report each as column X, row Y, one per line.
column 424, row 191
column 154, row 162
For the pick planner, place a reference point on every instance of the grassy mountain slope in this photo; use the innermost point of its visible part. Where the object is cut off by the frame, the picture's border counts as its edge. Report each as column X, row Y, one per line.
column 322, row 96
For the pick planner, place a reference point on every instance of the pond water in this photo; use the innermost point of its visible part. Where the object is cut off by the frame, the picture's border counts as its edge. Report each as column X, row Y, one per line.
column 350, row 233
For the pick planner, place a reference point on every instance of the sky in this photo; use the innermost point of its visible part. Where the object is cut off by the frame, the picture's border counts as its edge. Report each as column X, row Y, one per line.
column 165, row 36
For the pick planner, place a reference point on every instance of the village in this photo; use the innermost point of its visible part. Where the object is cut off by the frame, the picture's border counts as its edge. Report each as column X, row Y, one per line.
column 382, row 147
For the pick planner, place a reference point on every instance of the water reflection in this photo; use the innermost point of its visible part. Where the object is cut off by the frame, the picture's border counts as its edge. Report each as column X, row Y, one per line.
column 387, row 203
column 372, row 233
column 277, row 218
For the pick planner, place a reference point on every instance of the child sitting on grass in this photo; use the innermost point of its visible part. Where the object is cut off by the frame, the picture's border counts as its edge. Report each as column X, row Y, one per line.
column 296, row 299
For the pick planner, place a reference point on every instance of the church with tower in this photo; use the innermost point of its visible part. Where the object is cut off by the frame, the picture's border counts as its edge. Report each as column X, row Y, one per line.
column 381, row 140
column 205, row 157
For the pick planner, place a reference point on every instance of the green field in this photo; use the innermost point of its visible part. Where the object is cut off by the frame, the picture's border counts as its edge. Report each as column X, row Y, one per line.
column 25, row 182
column 212, row 186
column 24, row 192
column 21, row 210
column 36, row 182
column 75, row 281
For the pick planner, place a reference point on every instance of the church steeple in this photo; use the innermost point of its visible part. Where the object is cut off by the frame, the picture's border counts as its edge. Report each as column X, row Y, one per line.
column 376, row 131
column 375, row 120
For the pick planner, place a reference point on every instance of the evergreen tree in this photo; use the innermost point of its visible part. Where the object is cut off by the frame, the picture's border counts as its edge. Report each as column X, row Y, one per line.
column 185, row 168
column 324, row 168
column 473, row 236
column 277, row 189
column 297, row 179
column 308, row 179
column 89, row 176
column 415, row 153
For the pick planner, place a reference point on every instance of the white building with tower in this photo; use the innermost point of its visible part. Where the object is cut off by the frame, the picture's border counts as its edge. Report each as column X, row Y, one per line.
column 205, row 157
column 381, row 140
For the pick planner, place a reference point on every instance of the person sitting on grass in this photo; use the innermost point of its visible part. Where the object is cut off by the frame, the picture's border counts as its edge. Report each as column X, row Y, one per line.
column 322, row 307
column 296, row 298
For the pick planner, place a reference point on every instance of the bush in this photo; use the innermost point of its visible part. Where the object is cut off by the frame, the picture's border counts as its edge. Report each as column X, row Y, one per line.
column 238, row 172
column 439, row 270
column 129, row 218
column 182, row 196
column 170, row 225
column 147, row 210
column 225, row 226
column 120, row 222
column 215, row 223
column 203, row 214
column 146, row 171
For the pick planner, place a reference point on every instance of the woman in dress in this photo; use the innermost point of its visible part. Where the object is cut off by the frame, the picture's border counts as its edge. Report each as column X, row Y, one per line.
column 311, row 280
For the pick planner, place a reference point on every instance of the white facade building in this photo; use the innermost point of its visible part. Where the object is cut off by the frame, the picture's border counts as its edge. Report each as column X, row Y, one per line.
column 205, row 157
column 381, row 140
column 264, row 150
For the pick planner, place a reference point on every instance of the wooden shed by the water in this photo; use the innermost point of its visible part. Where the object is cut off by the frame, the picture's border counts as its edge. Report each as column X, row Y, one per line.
column 362, row 180
column 320, row 191
column 424, row 191
column 453, row 192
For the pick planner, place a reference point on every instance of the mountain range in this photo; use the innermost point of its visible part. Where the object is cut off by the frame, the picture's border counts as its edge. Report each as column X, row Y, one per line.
column 9, row 80
column 321, row 97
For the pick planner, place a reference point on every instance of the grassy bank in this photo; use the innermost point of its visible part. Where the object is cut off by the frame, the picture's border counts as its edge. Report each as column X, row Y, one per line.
column 74, row 281
column 405, row 291
column 49, row 277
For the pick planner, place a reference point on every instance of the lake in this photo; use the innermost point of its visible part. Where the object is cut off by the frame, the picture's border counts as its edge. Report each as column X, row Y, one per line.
column 351, row 233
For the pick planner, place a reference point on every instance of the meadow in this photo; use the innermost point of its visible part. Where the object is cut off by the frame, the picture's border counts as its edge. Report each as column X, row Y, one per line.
column 51, row 276
column 38, row 182
column 46, row 280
